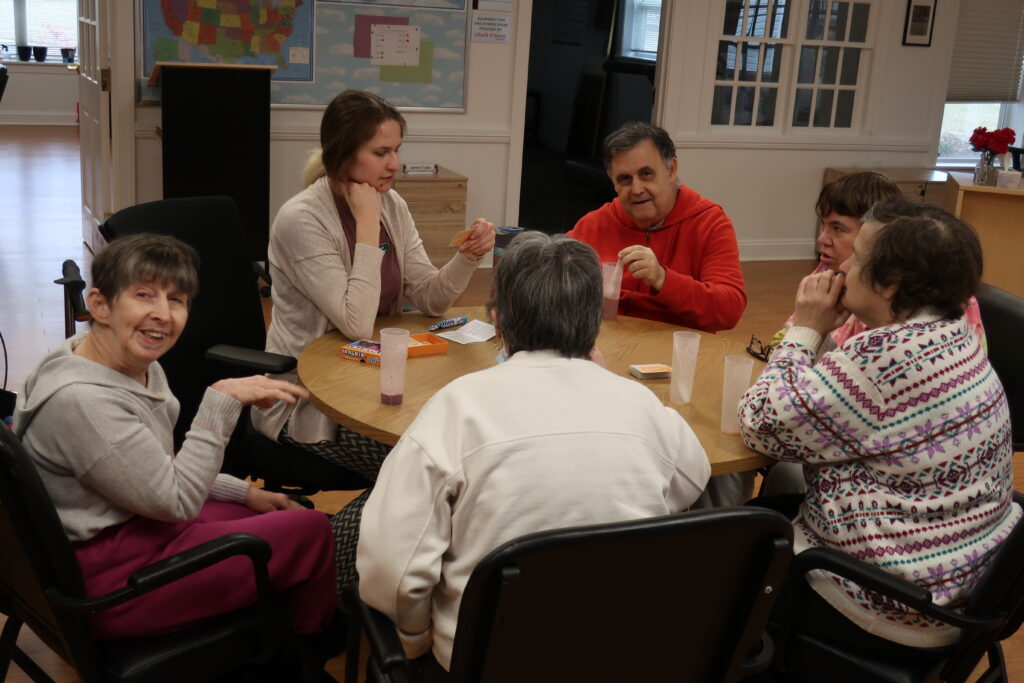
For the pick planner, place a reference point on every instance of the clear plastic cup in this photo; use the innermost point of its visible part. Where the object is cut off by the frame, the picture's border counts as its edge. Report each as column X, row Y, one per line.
column 735, row 382
column 394, row 350
column 611, row 289
column 685, row 346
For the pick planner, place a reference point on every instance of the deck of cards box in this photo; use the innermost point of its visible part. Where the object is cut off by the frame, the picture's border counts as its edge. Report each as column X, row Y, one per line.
column 368, row 350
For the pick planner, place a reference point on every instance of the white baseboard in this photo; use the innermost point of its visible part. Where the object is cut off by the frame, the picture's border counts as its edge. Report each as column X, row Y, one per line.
column 36, row 118
column 776, row 250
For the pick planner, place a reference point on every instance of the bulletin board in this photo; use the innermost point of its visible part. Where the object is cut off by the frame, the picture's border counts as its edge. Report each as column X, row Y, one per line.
column 411, row 52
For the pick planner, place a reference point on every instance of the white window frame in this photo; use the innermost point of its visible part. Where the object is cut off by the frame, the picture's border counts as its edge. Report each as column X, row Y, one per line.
column 787, row 83
column 630, row 15
column 1004, row 115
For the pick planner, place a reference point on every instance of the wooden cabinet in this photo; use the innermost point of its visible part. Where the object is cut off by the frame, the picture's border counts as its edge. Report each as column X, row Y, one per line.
column 438, row 205
column 995, row 215
column 923, row 185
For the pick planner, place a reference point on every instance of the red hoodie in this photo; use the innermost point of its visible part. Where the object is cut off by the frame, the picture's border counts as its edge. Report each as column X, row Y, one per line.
column 696, row 244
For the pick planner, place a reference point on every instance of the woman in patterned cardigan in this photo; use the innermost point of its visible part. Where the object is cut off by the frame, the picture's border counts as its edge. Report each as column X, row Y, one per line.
column 903, row 431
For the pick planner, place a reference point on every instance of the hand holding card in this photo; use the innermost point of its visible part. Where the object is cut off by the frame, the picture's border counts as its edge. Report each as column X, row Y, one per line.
column 460, row 237
column 480, row 240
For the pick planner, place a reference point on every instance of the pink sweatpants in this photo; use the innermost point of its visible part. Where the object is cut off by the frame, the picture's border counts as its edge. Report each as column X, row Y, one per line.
column 302, row 566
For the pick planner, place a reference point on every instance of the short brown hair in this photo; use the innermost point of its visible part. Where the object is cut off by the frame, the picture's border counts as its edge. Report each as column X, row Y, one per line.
column 350, row 120
column 933, row 257
column 142, row 258
column 629, row 135
column 852, row 195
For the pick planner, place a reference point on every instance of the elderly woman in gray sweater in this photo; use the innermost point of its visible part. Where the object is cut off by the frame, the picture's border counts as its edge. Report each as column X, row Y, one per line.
column 97, row 418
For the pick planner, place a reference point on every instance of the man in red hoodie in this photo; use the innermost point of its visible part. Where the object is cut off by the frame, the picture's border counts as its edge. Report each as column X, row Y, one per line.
column 678, row 250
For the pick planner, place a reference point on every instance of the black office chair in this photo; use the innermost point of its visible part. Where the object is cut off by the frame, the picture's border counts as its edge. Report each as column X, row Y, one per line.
column 3, row 80
column 677, row 598
column 225, row 337
column 41, row 586
column 1003, row 316
column 993, row 612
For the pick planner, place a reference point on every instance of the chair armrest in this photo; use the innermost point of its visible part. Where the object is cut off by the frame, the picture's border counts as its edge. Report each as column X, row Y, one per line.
column 385, row 645
column 176, row 567
column 251, row 359
column 892, row 586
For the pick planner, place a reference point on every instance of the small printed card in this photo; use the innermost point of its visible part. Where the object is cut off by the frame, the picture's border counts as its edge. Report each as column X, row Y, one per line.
column 470, row 333
column 460, row 237
column 419, row 168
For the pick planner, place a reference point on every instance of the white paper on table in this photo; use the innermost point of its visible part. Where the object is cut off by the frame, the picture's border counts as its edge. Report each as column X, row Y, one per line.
column 470, row 333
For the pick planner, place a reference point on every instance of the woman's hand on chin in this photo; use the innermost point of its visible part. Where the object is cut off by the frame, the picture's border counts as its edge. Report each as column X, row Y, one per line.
column 260, row 391
column 261, row 501
column 817, row 302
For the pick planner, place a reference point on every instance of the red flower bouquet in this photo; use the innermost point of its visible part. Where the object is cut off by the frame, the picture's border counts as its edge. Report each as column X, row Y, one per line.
column 993, row 142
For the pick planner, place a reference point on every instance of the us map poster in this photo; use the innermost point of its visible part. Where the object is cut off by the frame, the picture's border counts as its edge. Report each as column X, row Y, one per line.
column 412, row 52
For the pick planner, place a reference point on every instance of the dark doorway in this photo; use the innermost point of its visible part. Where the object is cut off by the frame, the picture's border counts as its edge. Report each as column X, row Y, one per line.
column 578, row 90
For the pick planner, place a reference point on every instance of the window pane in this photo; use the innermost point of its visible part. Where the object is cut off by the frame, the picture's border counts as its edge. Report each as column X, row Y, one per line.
column 772, row 63
column 844, row 109
column 643, row 22
column 859, row 22
column 829, row 63
column 733, row 25
column 766, row 107
column 722, row 105
column 959, row 120
column 748, row 66
column 7, row 27
column 837, row 21
column 744, row 106
column 851, row 64
column 816, row 19
column 726, row 61
column 757, row 18
column 780, row 19
column 53, row 23
column 823, row 109
column 802, row 107
column 808, row 56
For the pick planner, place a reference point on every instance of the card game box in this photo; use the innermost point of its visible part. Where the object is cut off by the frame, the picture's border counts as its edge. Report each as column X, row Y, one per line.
column 368, row 350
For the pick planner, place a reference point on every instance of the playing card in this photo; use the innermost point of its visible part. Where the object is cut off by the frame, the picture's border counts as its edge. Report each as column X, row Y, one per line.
column 460, row 237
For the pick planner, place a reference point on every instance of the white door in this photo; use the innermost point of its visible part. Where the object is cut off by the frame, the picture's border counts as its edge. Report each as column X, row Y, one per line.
column 94, row 118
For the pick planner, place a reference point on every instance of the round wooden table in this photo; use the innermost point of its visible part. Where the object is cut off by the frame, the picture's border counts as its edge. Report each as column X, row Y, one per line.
column 348, row 391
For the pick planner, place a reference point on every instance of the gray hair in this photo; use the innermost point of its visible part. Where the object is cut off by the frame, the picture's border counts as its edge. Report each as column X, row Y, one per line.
column 142, row 258
column 547, row 289
column 629, row 135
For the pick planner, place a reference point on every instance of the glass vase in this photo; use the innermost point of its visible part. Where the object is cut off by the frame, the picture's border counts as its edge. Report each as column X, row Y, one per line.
column 985, row 170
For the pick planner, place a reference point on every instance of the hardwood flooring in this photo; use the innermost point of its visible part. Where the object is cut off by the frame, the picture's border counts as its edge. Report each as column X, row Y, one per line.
column 40, row 226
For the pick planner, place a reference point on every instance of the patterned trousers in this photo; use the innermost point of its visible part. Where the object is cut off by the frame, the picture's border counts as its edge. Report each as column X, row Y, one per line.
column 355, row 453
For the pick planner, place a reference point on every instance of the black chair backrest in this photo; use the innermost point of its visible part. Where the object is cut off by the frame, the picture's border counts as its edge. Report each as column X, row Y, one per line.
column 228, row 308
column 38, row 557
column 1001, row 587
column 683, row 597
column 1003, row 316
column 3, row 80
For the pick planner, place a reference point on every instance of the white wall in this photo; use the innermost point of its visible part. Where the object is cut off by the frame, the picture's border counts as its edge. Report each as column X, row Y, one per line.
column 484, row 143
column 768, row 182
column 39, row 94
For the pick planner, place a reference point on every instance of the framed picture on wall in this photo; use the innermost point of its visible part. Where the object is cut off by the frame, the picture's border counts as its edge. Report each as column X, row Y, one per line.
column 917, row 28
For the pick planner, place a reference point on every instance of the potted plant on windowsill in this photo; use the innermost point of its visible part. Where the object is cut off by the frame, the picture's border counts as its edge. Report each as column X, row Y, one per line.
column 990, row 144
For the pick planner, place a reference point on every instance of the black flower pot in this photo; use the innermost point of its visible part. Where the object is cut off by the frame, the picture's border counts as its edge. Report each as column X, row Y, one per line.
column 24, row 53
column 67, row 55
column 39, row 52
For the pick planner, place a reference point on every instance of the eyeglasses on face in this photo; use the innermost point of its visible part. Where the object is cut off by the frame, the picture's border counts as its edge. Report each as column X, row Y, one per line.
column 759, row 350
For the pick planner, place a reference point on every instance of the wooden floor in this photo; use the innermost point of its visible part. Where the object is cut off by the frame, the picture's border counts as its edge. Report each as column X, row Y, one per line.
column 40, row 219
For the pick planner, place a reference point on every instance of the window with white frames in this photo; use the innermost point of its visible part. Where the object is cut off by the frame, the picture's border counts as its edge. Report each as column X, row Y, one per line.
column 49, row 23
column 790, row 63
column 640, row 22
column 959, row 119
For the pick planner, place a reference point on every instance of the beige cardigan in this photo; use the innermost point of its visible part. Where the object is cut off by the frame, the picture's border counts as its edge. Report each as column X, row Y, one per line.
column 318, row 285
